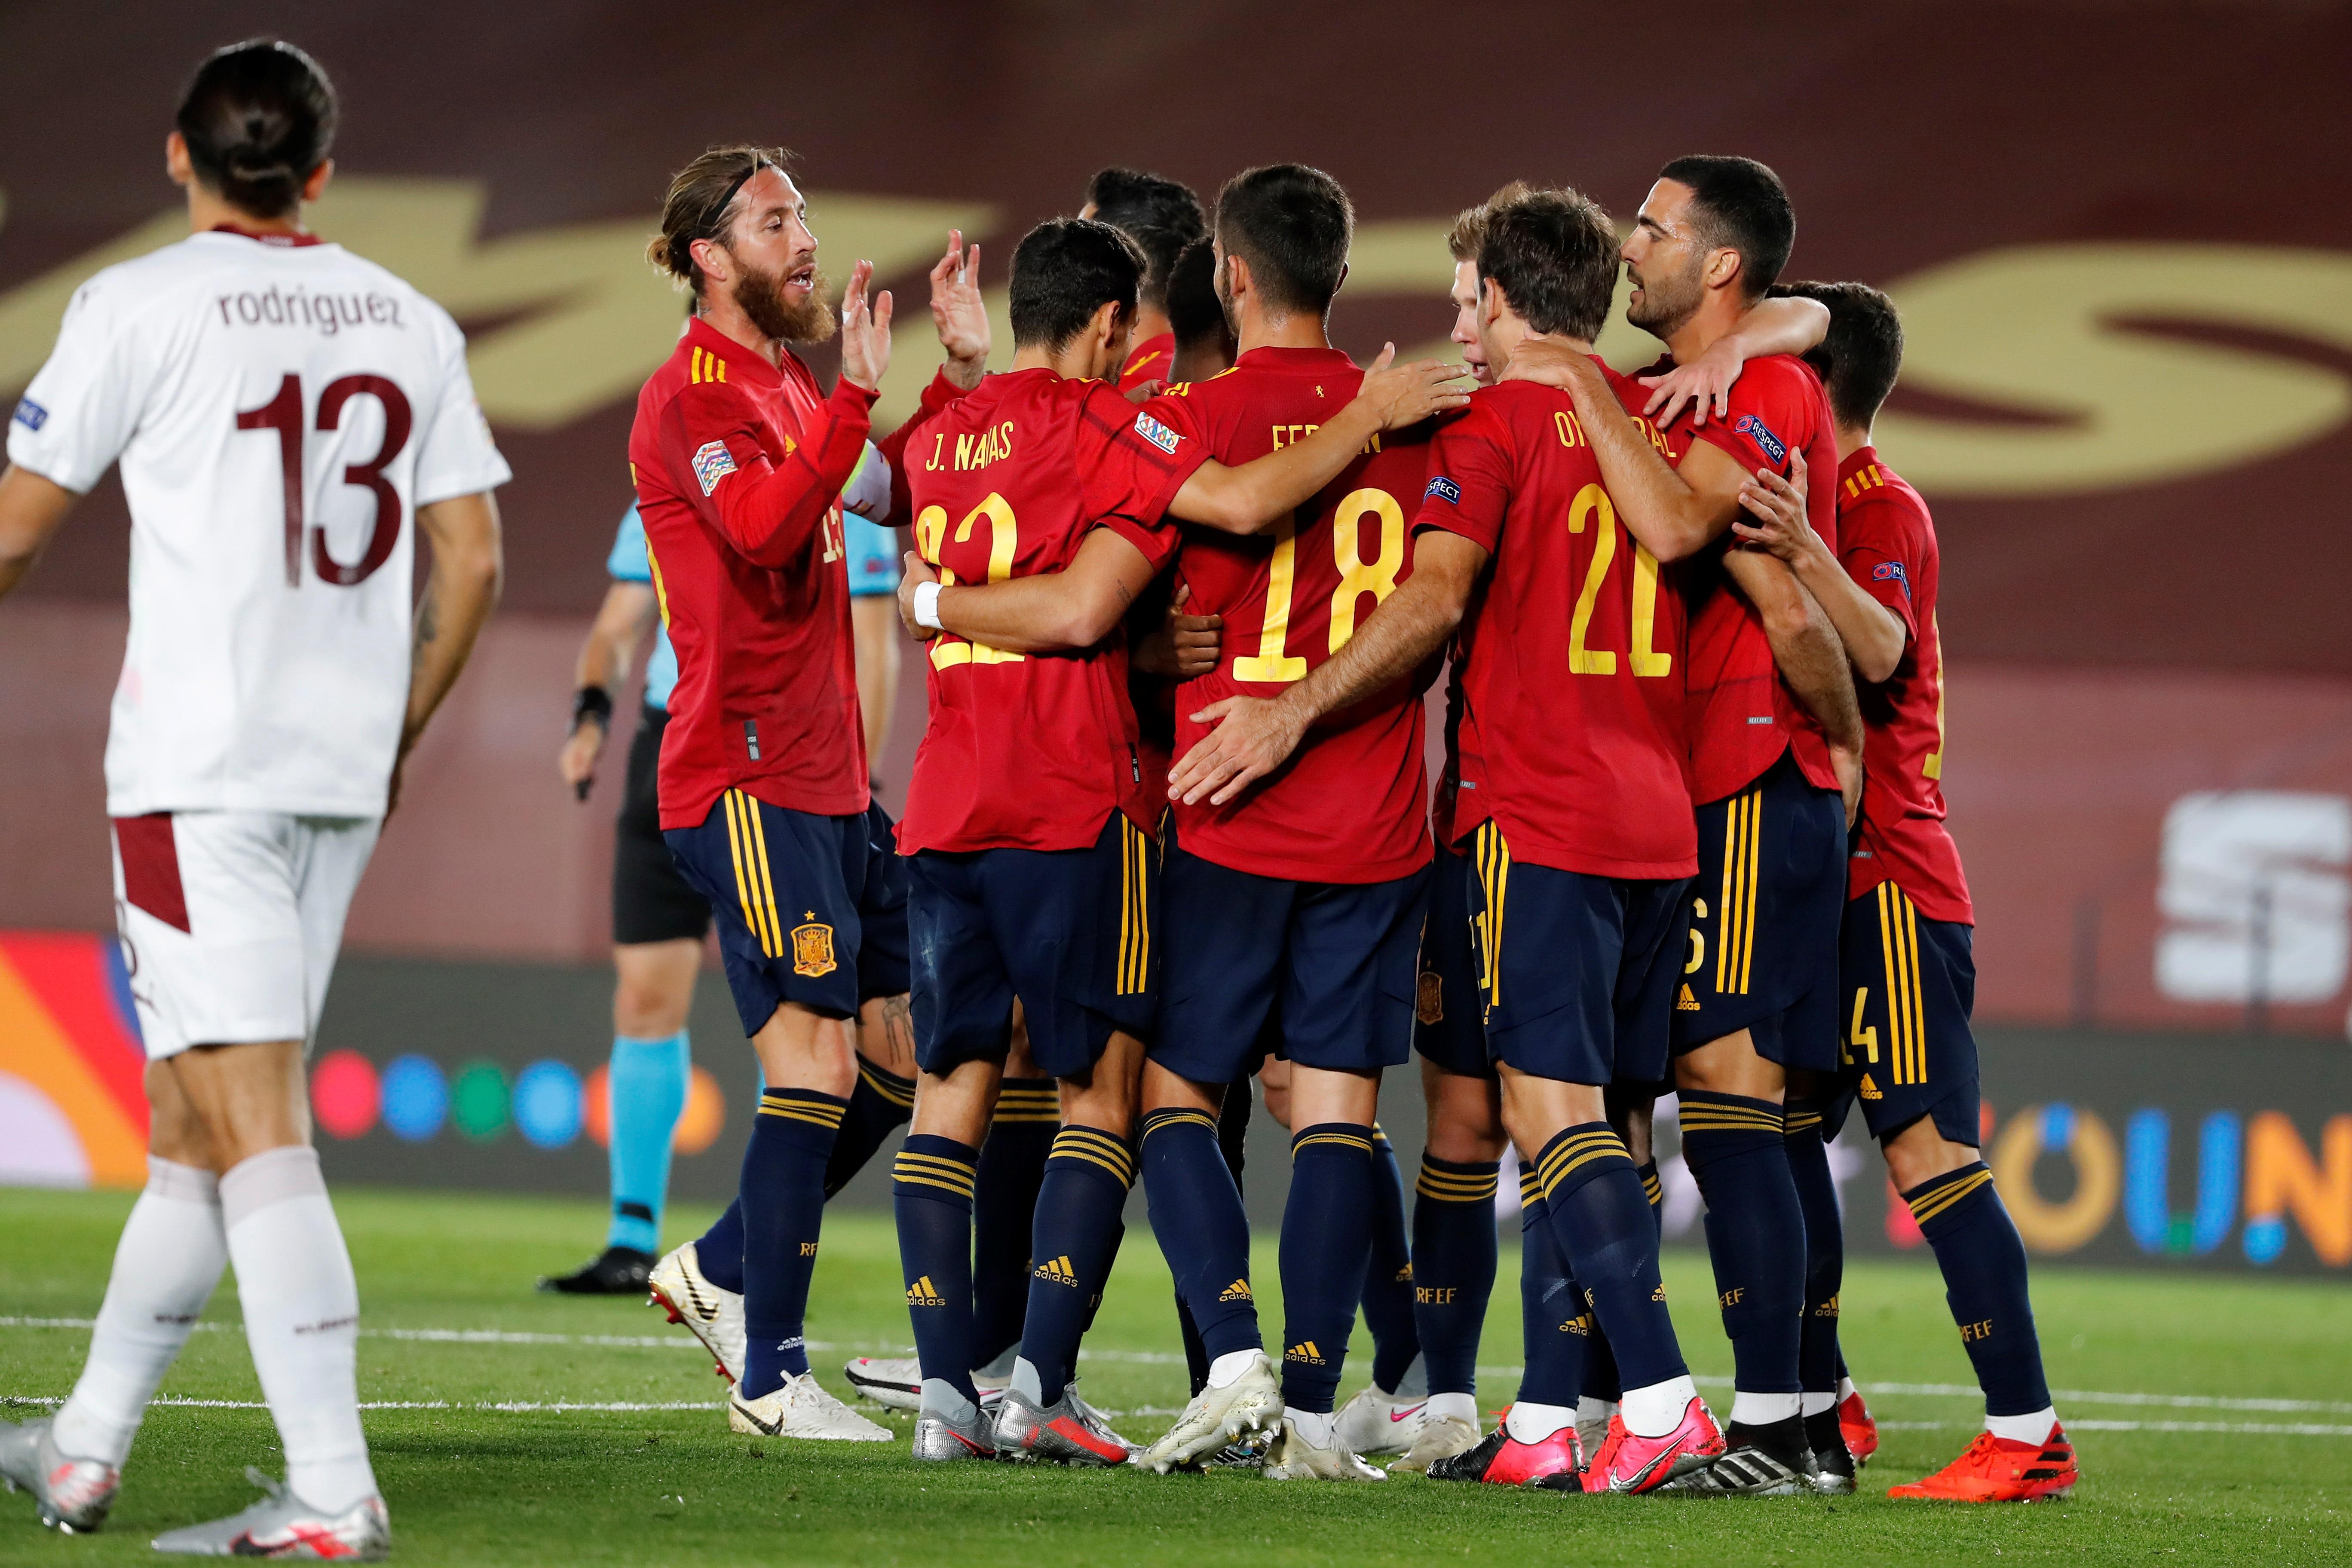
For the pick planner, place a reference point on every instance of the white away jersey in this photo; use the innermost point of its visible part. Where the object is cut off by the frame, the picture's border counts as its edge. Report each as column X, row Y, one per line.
column 281, row 411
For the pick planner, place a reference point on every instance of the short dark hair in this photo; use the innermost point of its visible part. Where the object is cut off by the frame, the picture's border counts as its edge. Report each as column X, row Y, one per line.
column 1066, row 269
column 1160, row 215
column 1194, row 314
column 1292, row 224
column 1553, row 253
column 1740, row 205
column 258, row 118
column 1862, row 355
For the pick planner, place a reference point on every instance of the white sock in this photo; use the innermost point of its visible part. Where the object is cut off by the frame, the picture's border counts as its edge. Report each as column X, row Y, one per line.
column 1763, row 1409
column 1227, row 1369
column 1532, row 1423
column 1846, row 1390
column 1655, row 1411
column 2034, row 1429
column 1459, row 1406
column 1313, row 1425
column 301, row 1320
column 170, row 1258
column 1816, row 1404
column 1588, row 1409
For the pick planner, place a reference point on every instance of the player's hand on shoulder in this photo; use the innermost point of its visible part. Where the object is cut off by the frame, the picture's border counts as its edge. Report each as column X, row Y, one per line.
column 1252, row 738
column 1547, row 363
column 1405, row 394
column 1145, row 391
column 916, row 572
column 1704, row 384
column 1776, row 519
column 960, row 312
column 865, row 331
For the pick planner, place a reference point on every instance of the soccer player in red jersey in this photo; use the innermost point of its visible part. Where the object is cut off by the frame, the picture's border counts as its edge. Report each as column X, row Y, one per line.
column 738, row 461
column 1572, row 790
column 1774, row 736
column 1163, row 217
column 1027, row 813
column 1907, row 978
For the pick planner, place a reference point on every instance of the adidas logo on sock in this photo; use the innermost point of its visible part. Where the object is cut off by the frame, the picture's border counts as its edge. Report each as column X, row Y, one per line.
column 1238, row 1290
column 1577, row 1325
column 1659, row 1294
column 1404, row 1274
column 923, row 1293
column 1057, row 1270
column 1305, row 1353
column 1687, row 1003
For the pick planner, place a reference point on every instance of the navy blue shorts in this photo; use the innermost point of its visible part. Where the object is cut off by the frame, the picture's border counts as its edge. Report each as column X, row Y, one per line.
column 882, row 969
column 1334, row 962
column 1576, row 972
column 1908, row 984
column 1449, row 1027
column 790, row 890
column 1068, row 932
column 1764, row 922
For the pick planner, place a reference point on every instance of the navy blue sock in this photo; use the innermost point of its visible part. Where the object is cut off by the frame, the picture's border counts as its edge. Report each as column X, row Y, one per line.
column 1196, row 1213
column 930, row 1194
column 1005, row 1210
column 1079, row 1202
column 1556, row 1324
column 1737, row 1151
column 879, row 1105
column 1389, row 1278
column 1599, row 1215
column 1809, row 1167
column 1326, row 1245
column 718, row 1251
column 1976, row 1247
column 783, row 1210
column 1600, row 1379
column 1655, row 1191
column 1454, row 1256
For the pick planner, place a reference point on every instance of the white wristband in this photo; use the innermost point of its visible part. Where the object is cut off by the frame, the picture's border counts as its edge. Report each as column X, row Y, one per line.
column 926, row 606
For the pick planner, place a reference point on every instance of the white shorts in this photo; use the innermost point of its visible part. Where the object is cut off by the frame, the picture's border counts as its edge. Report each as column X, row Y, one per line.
column 230, row 920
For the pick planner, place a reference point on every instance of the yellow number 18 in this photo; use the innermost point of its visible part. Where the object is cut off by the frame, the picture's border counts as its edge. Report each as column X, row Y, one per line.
column 1358, row 577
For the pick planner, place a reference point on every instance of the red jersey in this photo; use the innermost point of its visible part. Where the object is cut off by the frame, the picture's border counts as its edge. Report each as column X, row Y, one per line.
column 1352, row 806
column 1742, row 714
column 1886, row 541
column 738, row 466
column 1033, row 751
column 1570, row 724
column 1149, row 359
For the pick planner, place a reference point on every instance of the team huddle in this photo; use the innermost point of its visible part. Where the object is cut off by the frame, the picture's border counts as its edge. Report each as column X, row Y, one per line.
column 1181, row 577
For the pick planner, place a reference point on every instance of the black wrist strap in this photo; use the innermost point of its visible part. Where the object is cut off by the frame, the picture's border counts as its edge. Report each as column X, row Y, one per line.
column 592, row 702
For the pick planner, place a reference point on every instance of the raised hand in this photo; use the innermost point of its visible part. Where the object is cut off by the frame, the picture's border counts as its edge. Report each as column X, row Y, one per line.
column 1406, row 395
column 865, row 331
column 960, row 312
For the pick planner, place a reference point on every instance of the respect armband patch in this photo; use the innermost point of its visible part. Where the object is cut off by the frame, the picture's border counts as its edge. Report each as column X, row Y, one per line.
column 713, row 463
column 1156, row 433
column 1444, row 490
column 31, row 415
column 1891, row 572
column 1755, row 430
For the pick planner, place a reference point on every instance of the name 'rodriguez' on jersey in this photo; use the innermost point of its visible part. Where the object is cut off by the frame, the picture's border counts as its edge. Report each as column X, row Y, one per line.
column 280, row 409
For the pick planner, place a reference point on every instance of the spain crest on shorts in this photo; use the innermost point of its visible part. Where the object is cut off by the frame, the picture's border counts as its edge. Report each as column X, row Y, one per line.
column 1429, row 1003
column 812, row 949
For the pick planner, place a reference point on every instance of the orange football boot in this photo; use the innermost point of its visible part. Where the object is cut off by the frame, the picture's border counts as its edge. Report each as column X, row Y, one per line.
column 1995, row 1469
column 1858, row 1426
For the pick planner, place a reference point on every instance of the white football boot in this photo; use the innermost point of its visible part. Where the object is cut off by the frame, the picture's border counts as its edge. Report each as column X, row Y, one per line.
column 710, row 1314
column 70, row 1495
column 1251, row 1404
column 1294, row 1456
column 283, row 1525
column 895, row 1382
column 1446, row 1425
column 1375, row 1421
column 801, row 1409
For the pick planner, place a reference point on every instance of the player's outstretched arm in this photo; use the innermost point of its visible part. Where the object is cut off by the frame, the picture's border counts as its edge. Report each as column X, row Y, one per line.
column 1873, row 634
column 1255, row 735
column 31, row 507
column 1783, row 326
column 1245, row 500
column 1674, row 512
column 468, row 565
column 605, row 656
column 1074, row 607
column 1812, row 661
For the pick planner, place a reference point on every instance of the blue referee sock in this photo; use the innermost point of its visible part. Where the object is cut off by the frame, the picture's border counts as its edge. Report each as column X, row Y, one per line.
column 1005, row 1211
column 1598, row 1212
column 1196, row 1213
column 783, row 1210
column 1076, row 1235
column 880, row 1104
column 1453, row 1261
column 1327, row 1246
column 1976, row 1247
column 1389, row 1281
column 1809, row 1167
column 930, row 1196
column 1555, row 1323
column 1736, row 1149
column 644, row 1092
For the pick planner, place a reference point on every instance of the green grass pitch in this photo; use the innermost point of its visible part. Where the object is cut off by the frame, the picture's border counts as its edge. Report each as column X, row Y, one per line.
column 2167, row 1478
